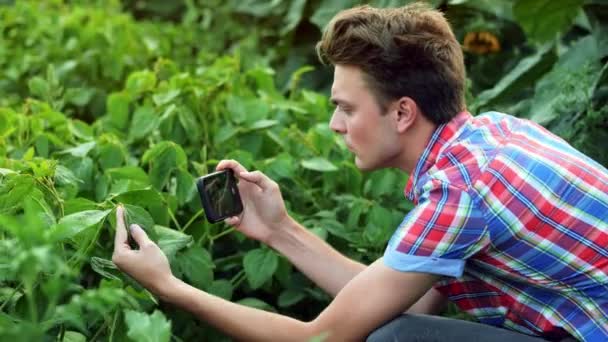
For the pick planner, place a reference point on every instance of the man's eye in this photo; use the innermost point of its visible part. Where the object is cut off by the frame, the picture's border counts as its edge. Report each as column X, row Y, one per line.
column 345, row 110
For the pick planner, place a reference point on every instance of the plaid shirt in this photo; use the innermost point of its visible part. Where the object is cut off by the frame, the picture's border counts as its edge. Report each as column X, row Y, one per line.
column 519, row 221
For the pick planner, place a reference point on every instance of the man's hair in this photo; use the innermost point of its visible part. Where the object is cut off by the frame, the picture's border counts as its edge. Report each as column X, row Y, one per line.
column 407, row 51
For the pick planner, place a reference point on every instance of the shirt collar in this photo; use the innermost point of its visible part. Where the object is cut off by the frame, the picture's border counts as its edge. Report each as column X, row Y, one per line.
column 440, row 138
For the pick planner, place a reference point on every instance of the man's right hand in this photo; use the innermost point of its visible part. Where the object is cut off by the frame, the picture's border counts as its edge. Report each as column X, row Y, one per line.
column 263, row 207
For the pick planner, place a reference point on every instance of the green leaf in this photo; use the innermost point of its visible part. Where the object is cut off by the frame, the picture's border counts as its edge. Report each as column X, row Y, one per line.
column 294, row 15
column 79, row 96
column 145, row 120
column 73, row 224
column 221, row 288
column 380, row 225
column 260, row 265
column 570, row 84
column 139, row 215
column 543, row 20
column 80, row 150
column 189, row 123
column 105, row 268
column 118, row 110
column 73, row 336
column 110, row 155
column 186, row 186
column 171, row 241
column 197, row 265
column 147, row 328
column 162, row 168
column 525, row 73
column 261, row 124
column 256, row 304
column 319, row 164
column 140, row 82
column 327, row 9
column 165, row 97
column 39, row 87
column 290, row 297
column 78, row 204
column 134, row 173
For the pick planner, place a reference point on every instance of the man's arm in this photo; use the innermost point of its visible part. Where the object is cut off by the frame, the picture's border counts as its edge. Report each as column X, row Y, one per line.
column 321, row 263
column 373, row 297
column 331, row 270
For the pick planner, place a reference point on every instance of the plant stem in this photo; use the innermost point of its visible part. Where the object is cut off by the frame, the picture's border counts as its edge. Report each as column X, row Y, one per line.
column 198, row 213
column 177, row 225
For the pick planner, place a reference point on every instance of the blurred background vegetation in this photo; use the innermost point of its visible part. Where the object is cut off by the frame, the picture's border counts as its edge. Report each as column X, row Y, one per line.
column 129, row 101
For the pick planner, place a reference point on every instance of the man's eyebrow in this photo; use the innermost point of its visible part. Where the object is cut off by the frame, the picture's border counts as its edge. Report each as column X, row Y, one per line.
column 337, row 101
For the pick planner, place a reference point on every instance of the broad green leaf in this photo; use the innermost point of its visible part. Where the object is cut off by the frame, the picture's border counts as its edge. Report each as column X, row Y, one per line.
column 525, row 73
column 290, row 297
column 543, row 20
column 197, row 265
column 142, row 198
column 80, row 150
column 186, row 187
column 78, row 204
column 261, row 124
column 319, row 164
column 147, row 327
column 189, row 123
column 260, row 265
column 256, row 304
column 73, row 224
column 165, row 97
column 224, row 133
column 118, row 110
column 281, row 166
column 39, row 87
column 294, row 15
column 327, row 9
column 140, row 82
column 221, row 288
column 74, row 336
column 134, row 173
column 105, row 268
column 162, row 167
column 79, row 96
column 145, row 120
column 155, row 151
column 171, row 241
column 380, row 225
column 257, row 8
column 110, row 155
column 139, row 216
column 578, row 68
column 65, row 176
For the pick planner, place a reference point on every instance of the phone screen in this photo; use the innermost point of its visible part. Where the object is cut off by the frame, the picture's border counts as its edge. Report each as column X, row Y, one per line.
column 220, row 195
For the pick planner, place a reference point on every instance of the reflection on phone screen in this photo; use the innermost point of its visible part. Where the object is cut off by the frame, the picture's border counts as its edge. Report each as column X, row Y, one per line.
column 221, row 194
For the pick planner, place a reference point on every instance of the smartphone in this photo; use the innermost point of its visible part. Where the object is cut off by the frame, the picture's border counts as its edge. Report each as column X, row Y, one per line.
column 219, row 195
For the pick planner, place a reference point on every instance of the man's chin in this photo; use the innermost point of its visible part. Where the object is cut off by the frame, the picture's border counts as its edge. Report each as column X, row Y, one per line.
column 361, row 165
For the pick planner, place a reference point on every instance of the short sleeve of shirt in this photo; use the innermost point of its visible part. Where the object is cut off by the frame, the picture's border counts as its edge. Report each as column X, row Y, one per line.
column 439, row 234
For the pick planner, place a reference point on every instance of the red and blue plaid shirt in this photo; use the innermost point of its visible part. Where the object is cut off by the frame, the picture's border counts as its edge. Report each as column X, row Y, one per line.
column 519, row 221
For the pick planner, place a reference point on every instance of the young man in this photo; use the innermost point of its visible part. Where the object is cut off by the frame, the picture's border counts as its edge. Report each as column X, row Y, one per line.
column 510, row 223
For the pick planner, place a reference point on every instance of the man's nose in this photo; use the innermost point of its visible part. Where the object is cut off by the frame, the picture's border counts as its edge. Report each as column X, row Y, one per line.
column 336, row 124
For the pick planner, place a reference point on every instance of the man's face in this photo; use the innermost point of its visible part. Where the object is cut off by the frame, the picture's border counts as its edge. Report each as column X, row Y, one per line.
column 368, row 133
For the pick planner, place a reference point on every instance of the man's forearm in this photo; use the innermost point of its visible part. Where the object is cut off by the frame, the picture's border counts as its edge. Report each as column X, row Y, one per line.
column 239, row 321
column 329, row 269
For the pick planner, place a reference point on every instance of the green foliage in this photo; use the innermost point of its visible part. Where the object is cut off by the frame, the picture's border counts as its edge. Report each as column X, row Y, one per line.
column 109, row 103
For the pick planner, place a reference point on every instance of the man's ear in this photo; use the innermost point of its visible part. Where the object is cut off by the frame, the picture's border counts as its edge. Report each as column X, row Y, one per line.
column 406, row 113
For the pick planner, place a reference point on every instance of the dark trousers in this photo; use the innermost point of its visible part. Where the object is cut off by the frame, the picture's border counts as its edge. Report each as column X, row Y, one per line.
column 425, row 328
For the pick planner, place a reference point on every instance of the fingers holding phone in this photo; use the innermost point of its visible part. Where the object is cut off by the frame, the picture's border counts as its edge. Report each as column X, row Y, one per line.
column 262, row 204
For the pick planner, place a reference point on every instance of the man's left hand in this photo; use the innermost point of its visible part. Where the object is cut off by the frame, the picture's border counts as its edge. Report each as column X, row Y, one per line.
column 148, row 264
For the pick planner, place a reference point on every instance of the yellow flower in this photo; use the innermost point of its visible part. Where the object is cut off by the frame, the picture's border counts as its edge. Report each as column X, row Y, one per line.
column 481, row 43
